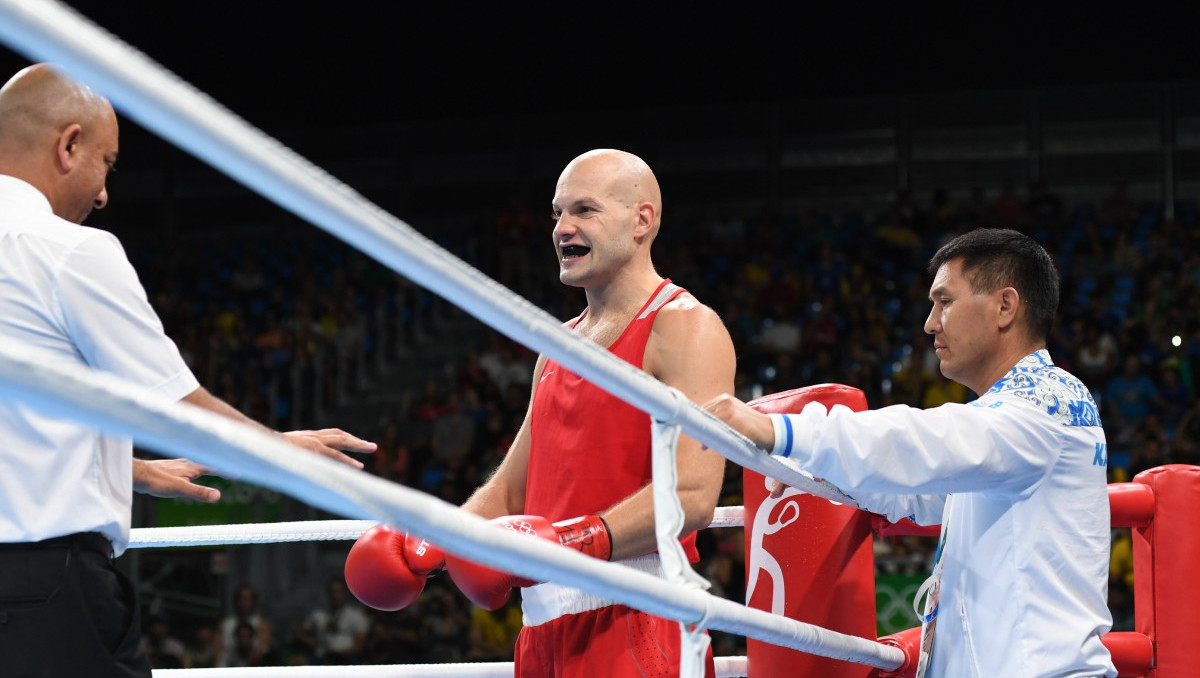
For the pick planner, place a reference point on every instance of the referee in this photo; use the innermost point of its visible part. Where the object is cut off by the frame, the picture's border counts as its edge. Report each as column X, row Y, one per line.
column 69, row 293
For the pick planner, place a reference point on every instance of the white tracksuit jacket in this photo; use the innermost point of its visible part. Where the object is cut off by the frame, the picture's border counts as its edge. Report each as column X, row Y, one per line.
column 1018, row 480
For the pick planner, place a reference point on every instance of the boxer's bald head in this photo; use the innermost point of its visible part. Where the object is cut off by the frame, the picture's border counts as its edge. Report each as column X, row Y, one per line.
column 607, row 208
column 60, row 136
column 621, row 175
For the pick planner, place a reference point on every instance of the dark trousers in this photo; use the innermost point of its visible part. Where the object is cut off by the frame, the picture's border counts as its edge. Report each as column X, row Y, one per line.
column 67, row 612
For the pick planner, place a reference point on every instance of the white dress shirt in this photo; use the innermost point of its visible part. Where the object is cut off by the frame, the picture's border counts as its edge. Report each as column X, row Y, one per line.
column 1026, row 553
column 69, row 293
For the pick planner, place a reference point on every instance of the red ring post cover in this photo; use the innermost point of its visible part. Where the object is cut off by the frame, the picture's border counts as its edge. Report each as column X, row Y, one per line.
column 807, row 558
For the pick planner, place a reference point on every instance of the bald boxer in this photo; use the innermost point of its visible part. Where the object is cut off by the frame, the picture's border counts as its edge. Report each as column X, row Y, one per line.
column 578, row 471
column 69, row 294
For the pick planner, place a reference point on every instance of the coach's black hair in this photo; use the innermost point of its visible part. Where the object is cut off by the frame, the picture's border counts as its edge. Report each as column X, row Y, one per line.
column 993, row 258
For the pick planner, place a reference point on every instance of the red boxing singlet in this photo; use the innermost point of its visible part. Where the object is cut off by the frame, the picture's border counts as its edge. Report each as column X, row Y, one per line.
column 588, row 448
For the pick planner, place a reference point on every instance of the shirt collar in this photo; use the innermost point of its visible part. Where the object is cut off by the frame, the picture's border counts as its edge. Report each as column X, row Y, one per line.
column 12, row 188
column 1039, row 358
column 1034, row 361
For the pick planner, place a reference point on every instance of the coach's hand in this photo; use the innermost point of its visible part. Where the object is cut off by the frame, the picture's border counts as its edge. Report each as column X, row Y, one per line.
column 744, row 419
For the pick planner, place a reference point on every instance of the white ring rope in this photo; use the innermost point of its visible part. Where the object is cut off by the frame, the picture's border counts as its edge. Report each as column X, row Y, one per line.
column 304, row 530
column 729, row 516
column 472, row 670
column 250, row 533
column 167, row 105
column 163, row 103
column 727, row 667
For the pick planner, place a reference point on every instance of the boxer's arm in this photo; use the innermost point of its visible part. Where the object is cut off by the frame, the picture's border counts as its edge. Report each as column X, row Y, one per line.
column 691, row 350
column 503, row 494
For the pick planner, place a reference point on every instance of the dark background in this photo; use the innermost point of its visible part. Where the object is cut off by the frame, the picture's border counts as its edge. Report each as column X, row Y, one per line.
column 400, row 100
column 284, row 63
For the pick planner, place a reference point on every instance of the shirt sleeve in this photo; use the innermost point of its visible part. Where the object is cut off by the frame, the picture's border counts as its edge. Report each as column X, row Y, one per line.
column 1002, row 446
column 111, row 322
column 922, row 509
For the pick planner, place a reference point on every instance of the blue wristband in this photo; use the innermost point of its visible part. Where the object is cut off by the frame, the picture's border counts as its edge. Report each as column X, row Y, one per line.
column 783, row 434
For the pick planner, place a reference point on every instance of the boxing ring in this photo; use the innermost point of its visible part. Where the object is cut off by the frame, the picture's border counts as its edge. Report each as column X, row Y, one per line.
column 162, row 103
column 1156, row 505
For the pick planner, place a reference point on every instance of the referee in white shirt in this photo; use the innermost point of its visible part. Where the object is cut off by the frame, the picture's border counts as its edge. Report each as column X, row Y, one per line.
column 69, row 292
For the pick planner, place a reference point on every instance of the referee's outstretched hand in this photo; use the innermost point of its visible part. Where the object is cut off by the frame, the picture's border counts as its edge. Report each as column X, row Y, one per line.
column 332, row 443
column 172, row 478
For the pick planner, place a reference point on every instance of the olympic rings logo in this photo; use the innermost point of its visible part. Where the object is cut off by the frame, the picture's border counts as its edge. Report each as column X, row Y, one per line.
column 893, row 604
column 522, row 526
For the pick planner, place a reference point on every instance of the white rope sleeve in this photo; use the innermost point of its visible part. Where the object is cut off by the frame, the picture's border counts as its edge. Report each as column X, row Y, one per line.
column 170, row 107
column 668, row 524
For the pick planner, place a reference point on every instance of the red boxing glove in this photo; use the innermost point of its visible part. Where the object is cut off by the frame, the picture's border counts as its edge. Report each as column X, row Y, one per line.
column 586, row 534
column 423, row 557
column 386, row 569
column 490, row 588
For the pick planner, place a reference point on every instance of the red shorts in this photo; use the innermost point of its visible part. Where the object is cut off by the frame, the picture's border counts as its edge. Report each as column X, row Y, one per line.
column 614, row 641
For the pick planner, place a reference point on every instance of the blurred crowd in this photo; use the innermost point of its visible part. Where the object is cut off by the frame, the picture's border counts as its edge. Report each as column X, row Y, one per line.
column 291, row 330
